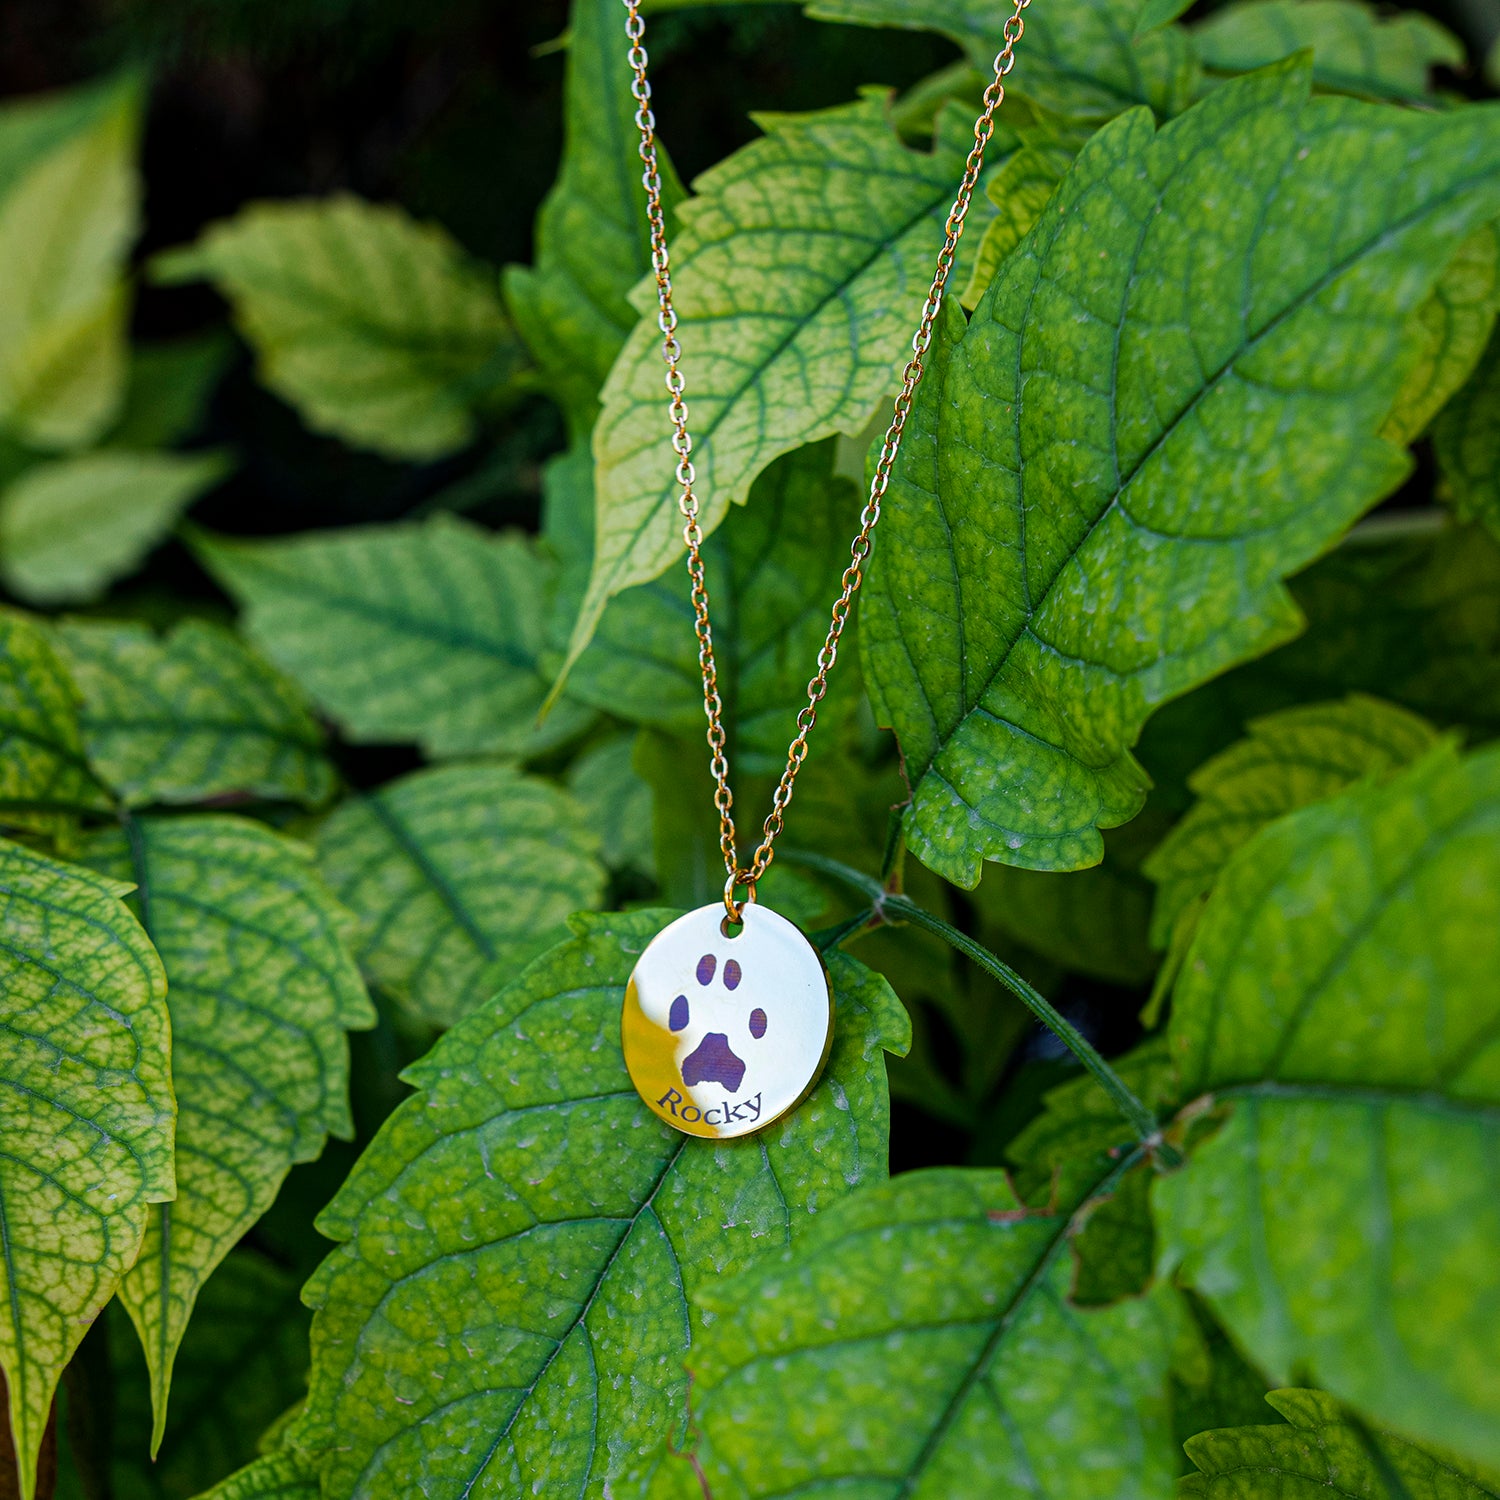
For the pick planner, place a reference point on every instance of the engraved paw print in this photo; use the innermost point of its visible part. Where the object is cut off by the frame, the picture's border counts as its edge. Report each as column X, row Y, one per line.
column 713, row 1060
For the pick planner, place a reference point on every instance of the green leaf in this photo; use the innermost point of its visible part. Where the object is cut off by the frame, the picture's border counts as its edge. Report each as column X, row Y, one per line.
column 191, row 715
column 1066, row 545
column 278, row 1476
column 1156, row 13
column 242, row 1363
column 1083, row 59
column 1318, row 1449
column 69, row 528
column 68, row 183
column 262, row 993
column 1466, row 439
column 43, row 773
column 1020, row 190
column 1451, row 330
column 375, row 327
column 1356, row 48
column 1340, row 997
column 799, row 270
column 1413, row 616
column 616, row 801
column 86, row 1132
column 919, row 1342
column 1217, row 1388
column 458, row 876
column 773, row 572
column 557, row 1230
column 170, row 386
column 430, row 631
column 1288, row 760
column 592, row 241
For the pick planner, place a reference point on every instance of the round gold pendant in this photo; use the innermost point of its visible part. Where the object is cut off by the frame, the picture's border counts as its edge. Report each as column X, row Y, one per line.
column 722, row 1034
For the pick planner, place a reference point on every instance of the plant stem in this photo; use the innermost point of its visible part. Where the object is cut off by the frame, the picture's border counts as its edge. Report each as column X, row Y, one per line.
column 899, row 908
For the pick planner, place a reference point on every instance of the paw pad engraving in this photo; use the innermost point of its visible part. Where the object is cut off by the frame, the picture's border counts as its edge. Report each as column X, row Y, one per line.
column 714, row 1060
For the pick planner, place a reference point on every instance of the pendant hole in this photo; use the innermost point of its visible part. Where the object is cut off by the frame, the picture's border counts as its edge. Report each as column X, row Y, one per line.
column 730, row 929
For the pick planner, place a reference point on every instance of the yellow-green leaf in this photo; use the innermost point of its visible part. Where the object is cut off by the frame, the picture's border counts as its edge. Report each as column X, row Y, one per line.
column 919, row 1342
column 1065, row 547
column 86, row 1131
column 191, row 715
column 261, row 995
column 69, row 528
column 800, row 268
column 458, row 876
column 375, row 327
column 433, row 631
column 43, row 772
column 1288, row 760
column 1340, row 999
column 277, row 1476
column 69, row 204
column 509, row 1310
column 1083, row 59
column 1318, row 1449
column 1451, row 331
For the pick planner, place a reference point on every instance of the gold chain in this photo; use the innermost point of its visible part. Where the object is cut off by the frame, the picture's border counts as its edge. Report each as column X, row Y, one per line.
column 682, row 444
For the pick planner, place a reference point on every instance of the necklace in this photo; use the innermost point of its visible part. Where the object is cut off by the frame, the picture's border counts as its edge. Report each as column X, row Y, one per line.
column 706, row 1058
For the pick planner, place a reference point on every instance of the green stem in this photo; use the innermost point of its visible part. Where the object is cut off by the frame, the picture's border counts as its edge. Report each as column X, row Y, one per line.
column 899, row 908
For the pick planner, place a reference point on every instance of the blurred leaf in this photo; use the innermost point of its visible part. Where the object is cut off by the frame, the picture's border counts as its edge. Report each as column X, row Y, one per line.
column 431, row 631
column 918, row 1341
column 86, row 1132
column 242, row 1363
column 44, row 777
column 1413, row 617
column 1451, row 330
column 69, row 528
column 1317, row 1449
column 1156, row 13
column 1466, row 439
column 191, row 715
column 773, row 572
column 1024, row 571
column 261, row 995
column 1078, row 58
column 1288, row 760
column 375, row 327
column 558, row 1231
column 458, row 876
column 1218, row 1387
column 1356, row 48
column 592, row 243
column 616, row 801
column 1340, row 997
column 169, row 389
column 1095, row 921
column 69, row 203
column 798, row 269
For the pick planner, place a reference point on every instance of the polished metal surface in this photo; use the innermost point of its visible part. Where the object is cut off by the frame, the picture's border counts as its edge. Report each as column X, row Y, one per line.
column 723, row 1034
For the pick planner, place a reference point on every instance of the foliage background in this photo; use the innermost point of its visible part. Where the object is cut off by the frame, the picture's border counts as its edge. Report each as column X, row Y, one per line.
column 455, row 112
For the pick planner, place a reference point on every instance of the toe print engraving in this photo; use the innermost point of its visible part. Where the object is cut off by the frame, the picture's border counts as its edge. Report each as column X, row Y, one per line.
column 720, row 1045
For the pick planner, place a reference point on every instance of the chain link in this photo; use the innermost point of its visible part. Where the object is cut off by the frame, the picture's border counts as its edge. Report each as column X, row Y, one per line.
column 682, row 445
